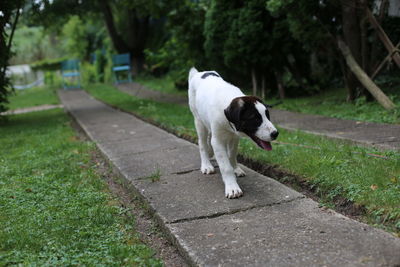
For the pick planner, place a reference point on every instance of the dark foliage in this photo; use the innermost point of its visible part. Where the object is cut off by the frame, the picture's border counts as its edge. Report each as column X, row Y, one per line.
column 8, row 19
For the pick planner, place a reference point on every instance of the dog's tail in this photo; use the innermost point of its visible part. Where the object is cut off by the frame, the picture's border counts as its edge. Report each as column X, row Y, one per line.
column 192, row 72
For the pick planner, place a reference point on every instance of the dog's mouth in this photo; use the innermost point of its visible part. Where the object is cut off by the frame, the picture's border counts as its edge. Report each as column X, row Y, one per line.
column 262, row 144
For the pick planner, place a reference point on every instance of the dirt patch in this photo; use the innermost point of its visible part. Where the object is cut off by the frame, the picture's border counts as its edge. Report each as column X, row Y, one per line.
column 149, row 231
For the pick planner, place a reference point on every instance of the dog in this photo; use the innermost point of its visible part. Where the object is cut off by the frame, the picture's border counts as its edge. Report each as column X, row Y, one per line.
column 222, row 114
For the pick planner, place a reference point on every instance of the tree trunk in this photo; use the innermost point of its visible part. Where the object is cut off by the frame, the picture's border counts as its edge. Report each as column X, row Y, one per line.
column 139, row 32
column 279, row 83
column 254, row 81
column 365, row 46
column 296, row 73
column 263, row 86
column 119, row 43
column 364, row 39
column 138, row 39
column 363, row 77
column 351, row 32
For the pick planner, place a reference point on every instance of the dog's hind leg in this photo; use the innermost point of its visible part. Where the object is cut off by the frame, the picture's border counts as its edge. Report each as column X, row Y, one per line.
column 204, row 147
column 232, row 153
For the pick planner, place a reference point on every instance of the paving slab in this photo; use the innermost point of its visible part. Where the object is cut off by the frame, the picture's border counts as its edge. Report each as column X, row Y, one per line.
column 167, row 161
column 126, row 147
column 296, row 233
column 271, row 225
column 193, row 195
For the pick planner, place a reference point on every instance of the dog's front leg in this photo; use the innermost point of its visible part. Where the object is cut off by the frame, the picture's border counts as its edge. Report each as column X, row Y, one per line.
column 232, row 189
column 232, row 153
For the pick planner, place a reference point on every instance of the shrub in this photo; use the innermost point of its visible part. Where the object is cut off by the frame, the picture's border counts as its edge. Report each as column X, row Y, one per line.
column 88, row 73
column 48, row 64
column 100, row 65
column 75, row 33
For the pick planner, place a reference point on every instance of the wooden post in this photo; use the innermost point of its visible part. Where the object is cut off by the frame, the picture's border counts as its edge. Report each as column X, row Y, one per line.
column 363, row 77
column 387, row 59
column 382, row 35
column 263, row 86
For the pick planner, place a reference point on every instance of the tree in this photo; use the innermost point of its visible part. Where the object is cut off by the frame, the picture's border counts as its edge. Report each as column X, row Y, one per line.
column 76, row 42
column 129, row 23
column 9, row 15
column 243, row 38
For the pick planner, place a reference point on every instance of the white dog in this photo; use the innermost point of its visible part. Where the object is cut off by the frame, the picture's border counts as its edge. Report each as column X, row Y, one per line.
column 223, row 114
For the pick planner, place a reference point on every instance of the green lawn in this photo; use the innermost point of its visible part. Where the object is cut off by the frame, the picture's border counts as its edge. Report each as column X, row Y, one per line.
column 333, row 168
column 32, row 97
column 55, row 209
column 332, row 103
column 163, row 84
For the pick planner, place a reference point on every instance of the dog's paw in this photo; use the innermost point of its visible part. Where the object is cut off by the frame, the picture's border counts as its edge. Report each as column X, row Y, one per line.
column 233, row 191
column 207, row 169
column 239, row 172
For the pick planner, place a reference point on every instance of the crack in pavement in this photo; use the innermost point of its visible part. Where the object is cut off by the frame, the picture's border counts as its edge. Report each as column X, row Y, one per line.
column 219, row 214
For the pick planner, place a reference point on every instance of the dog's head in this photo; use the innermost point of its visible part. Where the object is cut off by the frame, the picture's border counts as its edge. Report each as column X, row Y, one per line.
column 250, row 116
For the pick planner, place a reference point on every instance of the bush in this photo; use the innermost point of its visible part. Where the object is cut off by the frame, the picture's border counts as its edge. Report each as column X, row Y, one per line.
column 88, row 73
column 169, row 59
column 100, row 65
column 52, row 78
column 31, row 44
column 48, row 64
column 76, row 43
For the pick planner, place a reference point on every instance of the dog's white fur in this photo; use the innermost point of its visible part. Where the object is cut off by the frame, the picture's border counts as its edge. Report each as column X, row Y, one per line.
column 207, row 100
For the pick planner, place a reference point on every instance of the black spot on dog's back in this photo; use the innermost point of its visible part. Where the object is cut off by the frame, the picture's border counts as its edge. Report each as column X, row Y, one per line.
column 205, row 75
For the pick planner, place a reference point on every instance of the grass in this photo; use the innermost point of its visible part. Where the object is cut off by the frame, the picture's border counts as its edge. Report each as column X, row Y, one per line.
column 332, row 103
column 55, row 210
column 32, row 97
column 333, row 169
column 154, row 177
column 163, row 84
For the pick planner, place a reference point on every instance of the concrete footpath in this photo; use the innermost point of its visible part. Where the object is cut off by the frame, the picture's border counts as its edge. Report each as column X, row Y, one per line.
column 271, row 225
column 379, row 135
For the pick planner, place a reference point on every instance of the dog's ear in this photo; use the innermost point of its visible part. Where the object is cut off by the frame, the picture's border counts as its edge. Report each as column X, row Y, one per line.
column 233, row 112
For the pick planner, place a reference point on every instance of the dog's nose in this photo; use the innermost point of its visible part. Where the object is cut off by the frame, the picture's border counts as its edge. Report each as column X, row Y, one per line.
column 274, row 135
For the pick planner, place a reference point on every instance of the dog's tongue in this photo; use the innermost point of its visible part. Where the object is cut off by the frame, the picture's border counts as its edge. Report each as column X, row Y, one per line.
column 266, row 145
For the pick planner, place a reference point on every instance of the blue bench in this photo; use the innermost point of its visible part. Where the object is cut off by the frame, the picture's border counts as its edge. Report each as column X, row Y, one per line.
column 122, row 62
column 70, row 71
